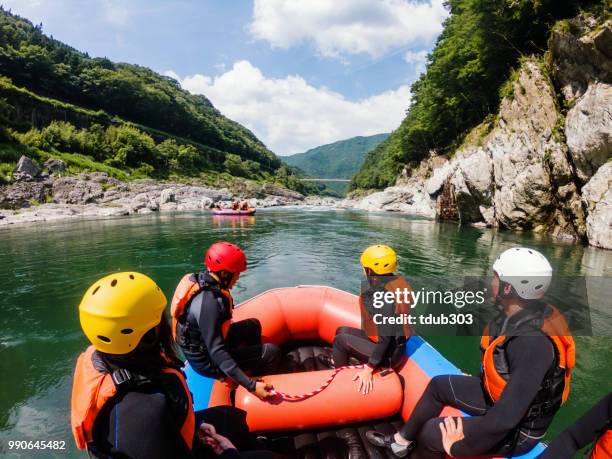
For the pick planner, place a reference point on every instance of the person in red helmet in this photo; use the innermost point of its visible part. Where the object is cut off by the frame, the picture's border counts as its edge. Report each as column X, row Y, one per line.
column 201, row 313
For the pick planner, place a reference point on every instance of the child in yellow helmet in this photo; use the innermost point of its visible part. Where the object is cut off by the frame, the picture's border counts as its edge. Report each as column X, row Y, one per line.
column 129, row 395
column 379, row 263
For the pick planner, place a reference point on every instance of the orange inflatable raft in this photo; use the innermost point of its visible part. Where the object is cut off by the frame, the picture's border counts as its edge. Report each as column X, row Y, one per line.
column 304, row 318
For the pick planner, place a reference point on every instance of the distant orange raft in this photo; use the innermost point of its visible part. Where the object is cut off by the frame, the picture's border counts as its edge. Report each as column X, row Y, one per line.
column 291, row 317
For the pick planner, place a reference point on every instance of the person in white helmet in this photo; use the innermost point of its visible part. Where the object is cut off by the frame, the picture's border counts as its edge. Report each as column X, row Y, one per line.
column 527, row 357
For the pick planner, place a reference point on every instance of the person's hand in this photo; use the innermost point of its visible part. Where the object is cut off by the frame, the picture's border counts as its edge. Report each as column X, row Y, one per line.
column 218, row 443
column 206, row 430
column 263, row 390
column 451, row 433
column 366, row 381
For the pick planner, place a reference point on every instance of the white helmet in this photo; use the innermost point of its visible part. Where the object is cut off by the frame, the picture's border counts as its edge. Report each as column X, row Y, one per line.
column 527, row 270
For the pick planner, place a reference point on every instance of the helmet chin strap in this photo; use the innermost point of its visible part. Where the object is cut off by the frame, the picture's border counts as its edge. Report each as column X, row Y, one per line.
column 221, row 278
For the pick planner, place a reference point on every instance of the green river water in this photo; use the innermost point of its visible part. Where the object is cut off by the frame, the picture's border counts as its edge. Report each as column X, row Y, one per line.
column 45, row 268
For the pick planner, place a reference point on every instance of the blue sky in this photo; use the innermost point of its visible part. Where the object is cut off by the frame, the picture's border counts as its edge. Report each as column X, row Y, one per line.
column 298, row 73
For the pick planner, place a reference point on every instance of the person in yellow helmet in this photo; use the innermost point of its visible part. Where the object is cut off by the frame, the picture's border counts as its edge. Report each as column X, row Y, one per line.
column 379, row 263
column 129, row 396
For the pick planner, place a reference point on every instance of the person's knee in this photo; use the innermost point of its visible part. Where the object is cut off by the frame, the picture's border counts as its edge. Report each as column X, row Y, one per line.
column 437, row 384
column 250, row 329
column 340, row 341
column 255, row 325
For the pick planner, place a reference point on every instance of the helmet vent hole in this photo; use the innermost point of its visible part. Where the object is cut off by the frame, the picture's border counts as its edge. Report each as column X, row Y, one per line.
column 538, row 287
column 104, row 338
column 530, row 252
column 524, row 282
column 95, row 290
column 127, row 331
column 113, row 282
column 132, row 276
column 376, row 264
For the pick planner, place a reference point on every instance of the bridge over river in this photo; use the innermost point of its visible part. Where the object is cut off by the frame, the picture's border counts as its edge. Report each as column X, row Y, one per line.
column 338, row 185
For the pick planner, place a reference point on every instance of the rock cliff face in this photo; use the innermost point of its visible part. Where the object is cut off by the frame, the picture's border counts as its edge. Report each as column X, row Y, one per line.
column 597, row 199
column 543, row 164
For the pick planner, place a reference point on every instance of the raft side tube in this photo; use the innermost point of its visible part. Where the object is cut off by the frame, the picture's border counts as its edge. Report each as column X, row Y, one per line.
column 334, row 405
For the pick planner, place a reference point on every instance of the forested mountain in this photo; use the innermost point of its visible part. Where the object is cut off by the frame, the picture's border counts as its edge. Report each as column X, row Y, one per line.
column 55, row 99
column 335, row 160
column 482, row 41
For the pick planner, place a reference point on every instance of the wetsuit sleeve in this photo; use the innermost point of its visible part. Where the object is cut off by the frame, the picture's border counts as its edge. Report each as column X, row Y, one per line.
column 529, row 358
column 209, row 323
column 379, row 351
column 584, row 431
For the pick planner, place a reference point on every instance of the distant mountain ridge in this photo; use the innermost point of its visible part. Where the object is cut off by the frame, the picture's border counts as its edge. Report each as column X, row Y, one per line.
column 340, row 159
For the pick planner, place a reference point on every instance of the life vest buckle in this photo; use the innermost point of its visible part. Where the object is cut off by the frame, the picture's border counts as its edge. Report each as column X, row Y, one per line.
column 121, row 377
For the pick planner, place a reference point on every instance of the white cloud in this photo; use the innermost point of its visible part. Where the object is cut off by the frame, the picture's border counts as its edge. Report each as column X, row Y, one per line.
column 415, row 57
column 289, row 115
column 340, row 27
column 116, row 12
column 418, row 59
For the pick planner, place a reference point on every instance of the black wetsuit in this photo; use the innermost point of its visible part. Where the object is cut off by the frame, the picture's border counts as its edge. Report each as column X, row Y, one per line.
column 584, row 431
column 143, row 424
column 209, row 353
column 390, row 348
column 492, row 428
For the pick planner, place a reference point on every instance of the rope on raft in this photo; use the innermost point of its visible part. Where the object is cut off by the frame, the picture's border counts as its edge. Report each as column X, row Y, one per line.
column 297, row 398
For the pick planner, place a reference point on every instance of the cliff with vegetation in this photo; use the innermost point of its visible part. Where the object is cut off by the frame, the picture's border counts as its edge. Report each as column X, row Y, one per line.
column 535, row 156
column 121, row 119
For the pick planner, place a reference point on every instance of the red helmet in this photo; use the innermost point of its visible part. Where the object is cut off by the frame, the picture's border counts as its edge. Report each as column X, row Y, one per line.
column 224, row 256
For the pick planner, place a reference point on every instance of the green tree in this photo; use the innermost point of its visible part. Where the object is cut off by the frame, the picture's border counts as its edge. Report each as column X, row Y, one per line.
column 188, row 157
column 130, row 146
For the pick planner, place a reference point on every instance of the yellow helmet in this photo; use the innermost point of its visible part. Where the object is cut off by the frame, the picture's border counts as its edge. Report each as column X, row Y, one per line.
column 381, row 259
column 117, row 310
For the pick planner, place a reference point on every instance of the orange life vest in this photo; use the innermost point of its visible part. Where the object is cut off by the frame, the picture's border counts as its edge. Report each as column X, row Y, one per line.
column 556, row 329
column 394, row 283
column 603, row 446
column 92, row 389
column 188, row 288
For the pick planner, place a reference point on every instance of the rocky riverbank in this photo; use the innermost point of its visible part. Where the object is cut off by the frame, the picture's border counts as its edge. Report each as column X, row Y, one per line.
column 47, row 194
column 542, row 164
